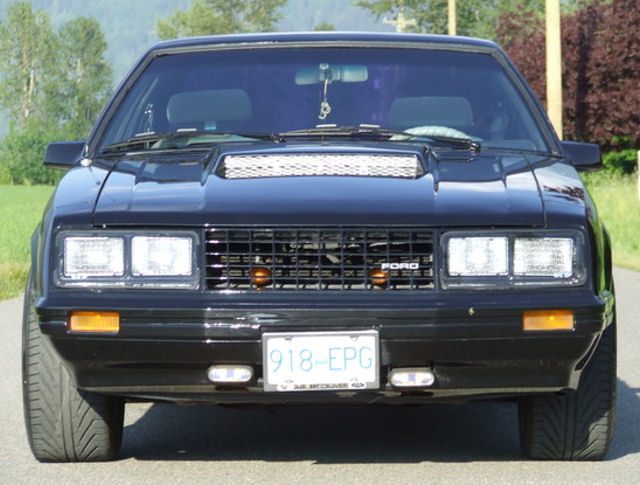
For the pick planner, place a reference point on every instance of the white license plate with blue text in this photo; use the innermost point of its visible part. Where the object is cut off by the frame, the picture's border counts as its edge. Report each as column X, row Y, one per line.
column 321, row 361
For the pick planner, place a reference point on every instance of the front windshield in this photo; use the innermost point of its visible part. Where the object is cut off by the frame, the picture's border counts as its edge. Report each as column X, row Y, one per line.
column 274, row 90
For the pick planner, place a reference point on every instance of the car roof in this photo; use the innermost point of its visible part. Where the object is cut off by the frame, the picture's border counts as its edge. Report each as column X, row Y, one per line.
column 315, row 37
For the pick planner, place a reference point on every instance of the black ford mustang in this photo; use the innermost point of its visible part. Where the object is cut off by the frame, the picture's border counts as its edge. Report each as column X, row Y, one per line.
column 320, row 218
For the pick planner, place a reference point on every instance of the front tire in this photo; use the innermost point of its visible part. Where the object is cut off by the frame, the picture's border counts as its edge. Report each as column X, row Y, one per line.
column 576, row 425
column 63, row 423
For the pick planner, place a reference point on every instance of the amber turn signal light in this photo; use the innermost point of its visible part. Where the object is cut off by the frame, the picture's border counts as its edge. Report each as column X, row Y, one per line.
column 94, row 322
column 260, row 276
column 378, row 277
column 547, row 320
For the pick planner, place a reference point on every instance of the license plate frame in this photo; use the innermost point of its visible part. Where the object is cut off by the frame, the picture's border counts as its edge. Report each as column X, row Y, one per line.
column 324, row 374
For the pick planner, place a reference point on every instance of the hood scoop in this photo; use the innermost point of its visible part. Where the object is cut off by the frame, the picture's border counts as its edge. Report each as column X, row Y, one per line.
column 251, row 166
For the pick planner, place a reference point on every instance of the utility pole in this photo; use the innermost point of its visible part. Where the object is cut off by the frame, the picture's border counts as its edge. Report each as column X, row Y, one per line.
column 554, row 64
column 400, row 22
column 452, row 17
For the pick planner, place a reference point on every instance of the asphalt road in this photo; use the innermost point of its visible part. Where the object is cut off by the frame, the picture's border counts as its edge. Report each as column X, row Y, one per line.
column 475, row 443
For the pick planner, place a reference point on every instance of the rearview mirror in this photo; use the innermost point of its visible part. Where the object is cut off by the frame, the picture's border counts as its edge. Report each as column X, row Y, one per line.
column 586, row 157
column 347, row 73
column 63, row 154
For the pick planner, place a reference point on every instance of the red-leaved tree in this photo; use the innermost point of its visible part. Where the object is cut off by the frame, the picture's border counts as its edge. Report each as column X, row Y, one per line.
column 600, row 72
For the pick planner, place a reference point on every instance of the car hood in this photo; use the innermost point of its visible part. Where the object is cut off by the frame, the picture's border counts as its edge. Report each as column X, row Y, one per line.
column 457, row 188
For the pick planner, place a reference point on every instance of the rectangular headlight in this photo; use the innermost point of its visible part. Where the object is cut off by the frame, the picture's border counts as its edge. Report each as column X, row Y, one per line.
column 161, row 256
column 91, row 256
column 478, row 256
column 515, row 259
column 543, row 256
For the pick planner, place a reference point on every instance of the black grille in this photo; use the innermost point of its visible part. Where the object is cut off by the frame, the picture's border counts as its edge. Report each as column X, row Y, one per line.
column 319, row 259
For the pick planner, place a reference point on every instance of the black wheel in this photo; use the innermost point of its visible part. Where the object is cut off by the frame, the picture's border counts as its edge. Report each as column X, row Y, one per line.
column 63, row 423
column 576, row 425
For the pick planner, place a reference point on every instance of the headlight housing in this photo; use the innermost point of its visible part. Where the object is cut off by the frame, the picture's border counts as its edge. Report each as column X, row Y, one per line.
column 518, row 258
column 87, row 257
column 543, row 256
column 478, row 256
column 161, row 256
column 132, row 259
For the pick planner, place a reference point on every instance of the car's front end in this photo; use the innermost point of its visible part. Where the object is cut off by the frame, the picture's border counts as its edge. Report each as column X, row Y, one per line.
column 333, row 264
column 450, row 296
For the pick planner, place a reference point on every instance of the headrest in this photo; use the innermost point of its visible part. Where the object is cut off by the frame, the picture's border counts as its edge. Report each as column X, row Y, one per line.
column 451, row 111
column 198, row 107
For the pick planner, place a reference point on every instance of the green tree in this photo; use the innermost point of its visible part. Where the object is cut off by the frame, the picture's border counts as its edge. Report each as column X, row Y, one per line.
column 82, row 81
column 477, row 18
column 207, row 17
column 52, row 86
column 26, row 46
column 324, row 27
column 22, row 151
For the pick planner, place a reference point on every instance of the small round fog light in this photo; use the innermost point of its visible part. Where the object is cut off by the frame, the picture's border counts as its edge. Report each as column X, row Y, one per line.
column 260, row 276
column 378, row 277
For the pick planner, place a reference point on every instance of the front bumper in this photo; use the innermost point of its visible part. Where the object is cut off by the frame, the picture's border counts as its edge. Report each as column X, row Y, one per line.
column 473, row 342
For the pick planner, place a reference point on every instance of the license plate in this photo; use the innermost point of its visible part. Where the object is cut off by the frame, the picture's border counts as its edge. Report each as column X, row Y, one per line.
column 322, row 361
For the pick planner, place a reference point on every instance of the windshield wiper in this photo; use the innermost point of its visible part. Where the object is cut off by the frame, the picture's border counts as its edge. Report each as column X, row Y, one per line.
column 359, row 131
column 146, row 141
column 375, row 132
column 452, row 140
column 524, row 151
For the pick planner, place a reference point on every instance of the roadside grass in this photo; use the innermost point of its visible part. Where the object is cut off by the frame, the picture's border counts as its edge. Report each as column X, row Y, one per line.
column 20, row 210
column 619, row 207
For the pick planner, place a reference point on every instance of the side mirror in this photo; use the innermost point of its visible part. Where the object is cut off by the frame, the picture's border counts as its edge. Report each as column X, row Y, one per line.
column 63, row 154
column 585, row 157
